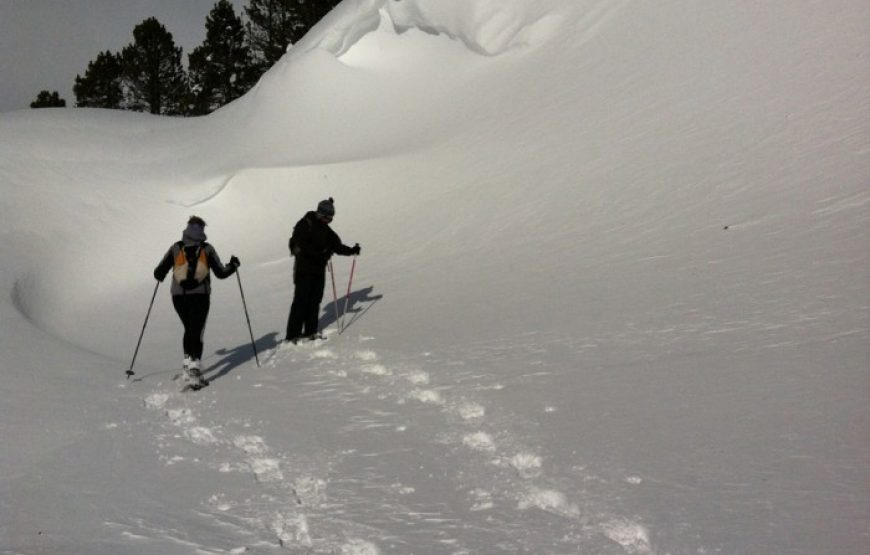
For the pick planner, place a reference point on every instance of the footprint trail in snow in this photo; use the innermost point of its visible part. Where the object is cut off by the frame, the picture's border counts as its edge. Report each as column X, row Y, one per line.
column 406, row 459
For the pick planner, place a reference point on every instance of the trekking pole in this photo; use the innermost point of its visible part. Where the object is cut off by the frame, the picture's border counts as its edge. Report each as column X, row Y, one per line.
column 248, row 318
column 334, row 297
column 147, row 315
column 349, row 282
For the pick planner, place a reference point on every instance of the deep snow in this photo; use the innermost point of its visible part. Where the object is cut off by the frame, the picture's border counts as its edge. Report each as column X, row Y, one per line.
column 614, row 295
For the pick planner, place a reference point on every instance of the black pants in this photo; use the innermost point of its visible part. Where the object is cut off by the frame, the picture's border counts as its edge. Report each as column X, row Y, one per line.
column 305, row 310
column 193, row 311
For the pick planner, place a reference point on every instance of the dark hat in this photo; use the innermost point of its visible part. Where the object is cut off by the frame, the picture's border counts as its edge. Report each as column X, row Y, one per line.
column 326, row 208
column 196, row 220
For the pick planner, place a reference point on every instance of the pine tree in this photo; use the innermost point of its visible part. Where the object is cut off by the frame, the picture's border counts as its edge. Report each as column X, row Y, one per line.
column 220, row 69
column 101, row 85
column 154, row 78
column 273, row 25
column 47, row 99
column 270, row 28
column 308, row 13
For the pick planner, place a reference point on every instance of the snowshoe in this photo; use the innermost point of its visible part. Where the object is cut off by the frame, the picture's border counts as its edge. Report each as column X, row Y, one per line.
column 193, row 377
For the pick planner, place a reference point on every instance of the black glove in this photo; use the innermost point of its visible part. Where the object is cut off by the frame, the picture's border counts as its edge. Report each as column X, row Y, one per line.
column 355, row 249
column 234, row 262
column 157, row 275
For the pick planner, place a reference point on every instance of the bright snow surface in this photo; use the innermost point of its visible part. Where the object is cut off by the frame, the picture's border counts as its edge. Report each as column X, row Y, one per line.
column 614, row 293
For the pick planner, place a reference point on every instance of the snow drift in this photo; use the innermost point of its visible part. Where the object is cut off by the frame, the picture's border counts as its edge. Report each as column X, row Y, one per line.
column 612, row 297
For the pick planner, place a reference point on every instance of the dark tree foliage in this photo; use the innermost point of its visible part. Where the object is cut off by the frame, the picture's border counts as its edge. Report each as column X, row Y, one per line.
column 270, row 28
column 47, row 99
column 308, row 14
column 101, row 85
column 154, row 78
column 275, row 24
column 220, row 70
column 148, row 73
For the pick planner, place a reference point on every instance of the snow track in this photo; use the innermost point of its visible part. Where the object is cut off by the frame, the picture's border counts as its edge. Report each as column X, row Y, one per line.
column 622, row 252
column 448, row 470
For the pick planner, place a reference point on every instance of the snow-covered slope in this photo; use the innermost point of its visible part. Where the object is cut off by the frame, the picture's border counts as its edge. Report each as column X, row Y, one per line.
column 613, row 296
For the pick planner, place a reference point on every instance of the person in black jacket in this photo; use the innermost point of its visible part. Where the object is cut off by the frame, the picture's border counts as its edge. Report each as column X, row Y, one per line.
column 191, row 261
column 312, row 244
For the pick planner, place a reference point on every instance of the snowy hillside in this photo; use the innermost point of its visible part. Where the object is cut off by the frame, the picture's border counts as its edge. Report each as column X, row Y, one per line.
column 613, row 297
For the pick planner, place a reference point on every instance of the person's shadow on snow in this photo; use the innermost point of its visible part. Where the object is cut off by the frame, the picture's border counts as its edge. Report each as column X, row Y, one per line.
column 353, row 304
column 230, row 359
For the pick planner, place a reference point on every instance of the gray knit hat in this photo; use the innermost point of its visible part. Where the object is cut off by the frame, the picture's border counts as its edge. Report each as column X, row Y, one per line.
column 326, row 208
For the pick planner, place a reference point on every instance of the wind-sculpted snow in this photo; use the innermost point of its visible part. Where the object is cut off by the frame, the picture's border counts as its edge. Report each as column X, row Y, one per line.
column 611, row 297
column 487, row 27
